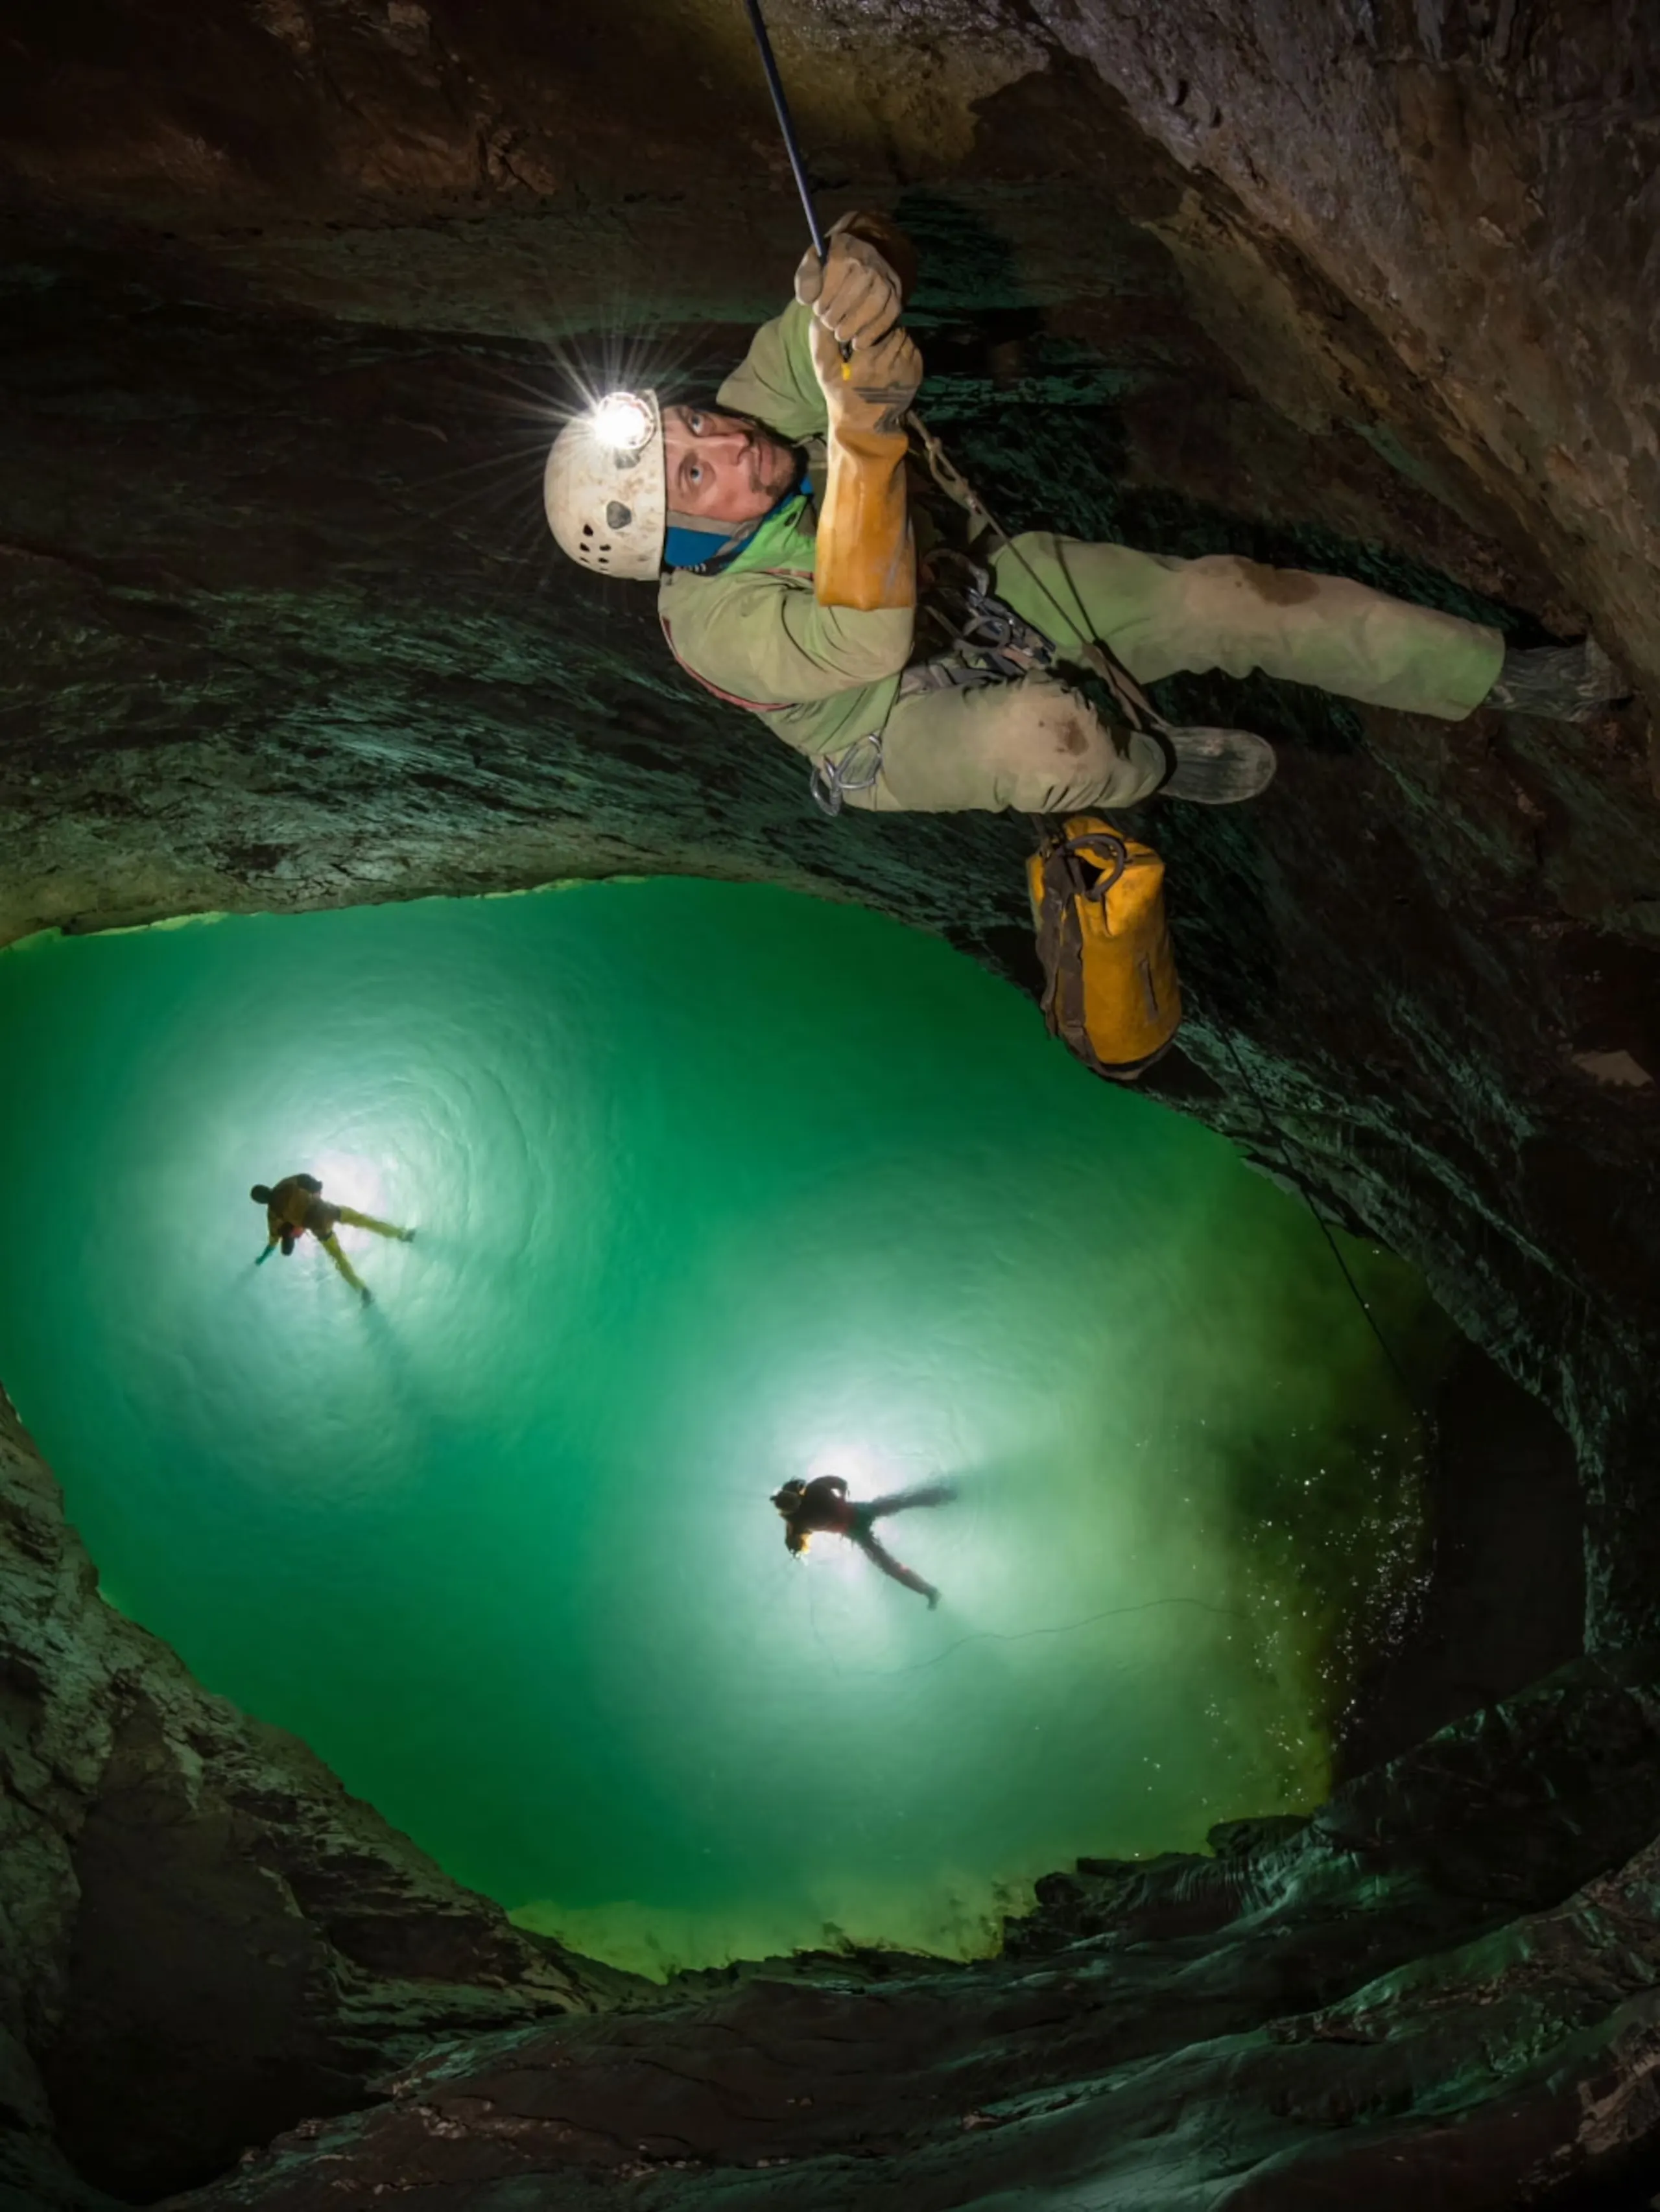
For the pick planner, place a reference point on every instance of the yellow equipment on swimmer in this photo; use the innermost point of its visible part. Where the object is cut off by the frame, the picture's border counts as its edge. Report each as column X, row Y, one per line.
column 1110, row 992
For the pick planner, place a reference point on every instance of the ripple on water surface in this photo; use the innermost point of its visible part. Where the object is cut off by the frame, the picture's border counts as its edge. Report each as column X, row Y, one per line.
column 713, row 1186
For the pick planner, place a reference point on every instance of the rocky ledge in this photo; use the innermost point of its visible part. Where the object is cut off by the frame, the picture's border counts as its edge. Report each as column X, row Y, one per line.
column 1445, row 1988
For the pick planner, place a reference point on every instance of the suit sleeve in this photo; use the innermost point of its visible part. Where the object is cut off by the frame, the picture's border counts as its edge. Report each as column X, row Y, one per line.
column 776, row 381
column 765, row 639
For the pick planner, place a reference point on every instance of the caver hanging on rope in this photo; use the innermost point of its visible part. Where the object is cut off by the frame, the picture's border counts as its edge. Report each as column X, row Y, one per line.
column 728, row 505
column 781, row 525
column 866, row 558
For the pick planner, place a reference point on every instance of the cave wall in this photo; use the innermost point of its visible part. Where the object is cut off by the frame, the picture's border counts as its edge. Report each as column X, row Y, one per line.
column 204, row 1936
column 1443, row 1989
column 288, row 286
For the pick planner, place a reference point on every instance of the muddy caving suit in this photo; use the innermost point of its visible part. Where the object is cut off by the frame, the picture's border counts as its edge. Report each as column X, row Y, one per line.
column 825, row 1508
column 297, row 1204
column 828, row 679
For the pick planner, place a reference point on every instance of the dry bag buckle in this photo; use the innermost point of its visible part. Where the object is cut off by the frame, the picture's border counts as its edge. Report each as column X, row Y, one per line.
column 1080, row 853
column 856, row 768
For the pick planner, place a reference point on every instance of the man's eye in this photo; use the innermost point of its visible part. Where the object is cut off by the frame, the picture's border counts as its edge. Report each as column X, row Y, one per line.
column 693, row 472
column 694, row 424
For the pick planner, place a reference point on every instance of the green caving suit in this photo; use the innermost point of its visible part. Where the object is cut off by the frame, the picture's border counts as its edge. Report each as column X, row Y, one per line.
column 824, row 677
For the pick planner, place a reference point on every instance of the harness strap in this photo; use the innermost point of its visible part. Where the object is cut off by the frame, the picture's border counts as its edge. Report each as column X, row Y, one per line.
column 1137, row 708
column 986, row 641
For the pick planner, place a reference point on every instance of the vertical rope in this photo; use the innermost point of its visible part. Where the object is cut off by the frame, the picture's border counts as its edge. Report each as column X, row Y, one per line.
column 780, row 109
column 1424, row 1418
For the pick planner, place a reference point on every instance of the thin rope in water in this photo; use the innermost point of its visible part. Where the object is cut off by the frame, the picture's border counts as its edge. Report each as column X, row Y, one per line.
column 1005, row 1636
column 1281, row 1144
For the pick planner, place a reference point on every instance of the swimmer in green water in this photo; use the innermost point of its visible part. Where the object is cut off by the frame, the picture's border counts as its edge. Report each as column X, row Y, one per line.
column 297, row 1204
column 822, row 1507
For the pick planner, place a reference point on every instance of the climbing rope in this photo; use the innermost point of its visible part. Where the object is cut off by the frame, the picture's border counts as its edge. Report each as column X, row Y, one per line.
column 780, row 108
column 1133, row 702
column 1141, row 714
column 1425, row 1418
column 1007, row 1636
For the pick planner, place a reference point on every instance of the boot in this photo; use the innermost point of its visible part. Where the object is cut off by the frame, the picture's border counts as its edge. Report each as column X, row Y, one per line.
column 1216, row 768
column 1556, row 682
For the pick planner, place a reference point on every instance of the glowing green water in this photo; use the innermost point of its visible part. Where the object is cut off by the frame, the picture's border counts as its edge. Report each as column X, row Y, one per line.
column 713, row 1186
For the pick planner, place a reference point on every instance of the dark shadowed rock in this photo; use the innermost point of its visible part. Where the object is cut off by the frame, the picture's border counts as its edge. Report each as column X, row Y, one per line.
column 1431, row 1984
column 204, row 1935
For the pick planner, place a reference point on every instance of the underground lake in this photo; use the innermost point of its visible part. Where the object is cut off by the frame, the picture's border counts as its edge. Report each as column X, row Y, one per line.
column 713, row 1186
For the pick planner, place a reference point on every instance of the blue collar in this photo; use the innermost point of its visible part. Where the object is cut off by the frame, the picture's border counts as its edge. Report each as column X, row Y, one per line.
column 706, row 552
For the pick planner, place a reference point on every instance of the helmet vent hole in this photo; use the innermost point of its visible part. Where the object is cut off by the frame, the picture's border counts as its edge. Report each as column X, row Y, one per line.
column 587, row 530
column 618, row 516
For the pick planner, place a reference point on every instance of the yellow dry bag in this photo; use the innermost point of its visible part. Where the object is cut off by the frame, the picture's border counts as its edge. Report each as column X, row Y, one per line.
column 1109, row 987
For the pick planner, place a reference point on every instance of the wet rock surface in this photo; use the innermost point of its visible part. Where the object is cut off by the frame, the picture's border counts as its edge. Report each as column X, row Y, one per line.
column 288, row 288
column 204, row 1935
column 1432, row 1986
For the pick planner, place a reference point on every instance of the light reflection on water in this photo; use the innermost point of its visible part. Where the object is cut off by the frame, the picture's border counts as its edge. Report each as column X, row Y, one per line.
column 713, row 1186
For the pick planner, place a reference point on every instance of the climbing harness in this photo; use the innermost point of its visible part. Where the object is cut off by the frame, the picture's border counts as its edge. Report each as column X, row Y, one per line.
column 1127, row 694
column 982, row 641
column 985, row 641
column 980, row 637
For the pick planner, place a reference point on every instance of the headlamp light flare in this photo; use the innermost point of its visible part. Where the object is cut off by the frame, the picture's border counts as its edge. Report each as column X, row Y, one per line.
column 623, row 422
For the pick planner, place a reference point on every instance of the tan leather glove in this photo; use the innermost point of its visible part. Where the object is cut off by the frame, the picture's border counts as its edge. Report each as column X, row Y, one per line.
column 859, row 289
column 873, row 388
column 870, row 238
column 864, row 558
column 850, row 297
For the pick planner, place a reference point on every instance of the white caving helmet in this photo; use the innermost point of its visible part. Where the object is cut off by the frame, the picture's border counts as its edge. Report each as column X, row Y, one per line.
column 606, row 487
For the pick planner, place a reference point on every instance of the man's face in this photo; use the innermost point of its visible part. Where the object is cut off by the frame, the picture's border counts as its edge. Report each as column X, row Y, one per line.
column 724, row 467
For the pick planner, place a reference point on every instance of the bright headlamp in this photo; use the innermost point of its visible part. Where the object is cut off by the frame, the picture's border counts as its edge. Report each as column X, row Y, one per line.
column 604, row 486
column 622, row 423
